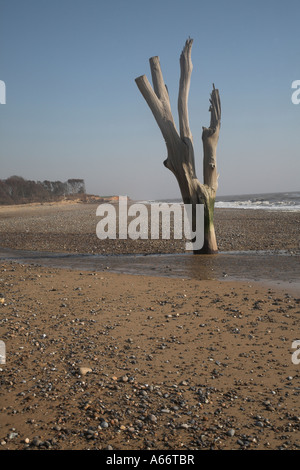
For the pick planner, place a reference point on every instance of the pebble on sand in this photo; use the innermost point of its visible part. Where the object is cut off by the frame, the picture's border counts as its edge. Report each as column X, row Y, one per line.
column 84, row 370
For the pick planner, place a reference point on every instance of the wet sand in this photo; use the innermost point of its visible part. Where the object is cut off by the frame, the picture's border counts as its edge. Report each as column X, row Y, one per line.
column 102, row 360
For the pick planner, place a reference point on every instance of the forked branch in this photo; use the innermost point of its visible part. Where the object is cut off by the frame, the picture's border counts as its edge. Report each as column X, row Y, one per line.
column 158, row 103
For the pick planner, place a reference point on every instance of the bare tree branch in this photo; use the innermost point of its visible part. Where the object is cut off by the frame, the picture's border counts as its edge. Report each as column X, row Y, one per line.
column 160, row 109
column 157, row 80
column 210, row 137
column 186, row 68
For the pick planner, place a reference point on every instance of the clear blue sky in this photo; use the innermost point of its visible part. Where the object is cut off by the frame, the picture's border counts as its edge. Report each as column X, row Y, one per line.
column 73, row 109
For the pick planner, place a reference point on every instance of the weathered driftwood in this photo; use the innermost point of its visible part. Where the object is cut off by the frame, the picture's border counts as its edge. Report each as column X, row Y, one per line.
column 180, row 150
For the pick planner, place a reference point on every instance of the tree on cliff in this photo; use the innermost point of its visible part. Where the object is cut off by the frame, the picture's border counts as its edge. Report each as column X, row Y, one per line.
column 180, row 151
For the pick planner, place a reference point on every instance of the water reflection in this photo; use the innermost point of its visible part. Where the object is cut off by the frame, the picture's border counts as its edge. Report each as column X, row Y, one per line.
column 230, row 265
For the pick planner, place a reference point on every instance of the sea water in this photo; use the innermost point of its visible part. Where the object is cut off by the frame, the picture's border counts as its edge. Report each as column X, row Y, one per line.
column 283, row 201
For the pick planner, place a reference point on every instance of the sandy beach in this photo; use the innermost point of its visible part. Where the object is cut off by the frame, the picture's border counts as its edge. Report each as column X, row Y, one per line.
column 102, row 360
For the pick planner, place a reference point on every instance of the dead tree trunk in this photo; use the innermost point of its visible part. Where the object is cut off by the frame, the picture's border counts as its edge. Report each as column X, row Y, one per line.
column 180, row 150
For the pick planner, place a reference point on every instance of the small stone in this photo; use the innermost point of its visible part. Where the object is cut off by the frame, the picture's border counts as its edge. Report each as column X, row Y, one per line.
column 184, row 426
column 270, row 408
column 231, row 432
column 37, row 442
column 84, row 370
column 152, row 418
column 260, row 424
